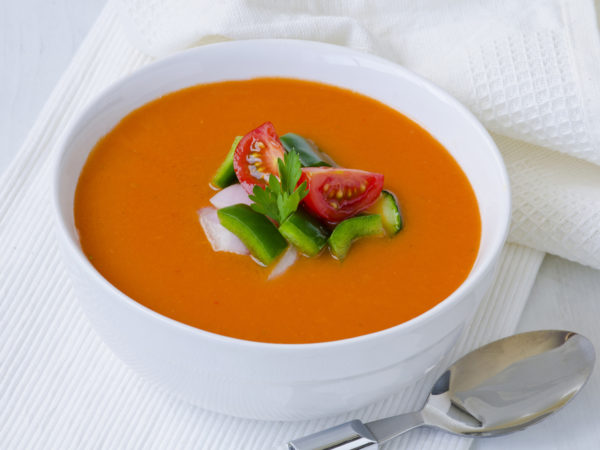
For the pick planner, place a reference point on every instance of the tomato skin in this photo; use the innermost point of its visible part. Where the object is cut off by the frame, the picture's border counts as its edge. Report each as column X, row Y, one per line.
column 256, row 155
column 336, row 194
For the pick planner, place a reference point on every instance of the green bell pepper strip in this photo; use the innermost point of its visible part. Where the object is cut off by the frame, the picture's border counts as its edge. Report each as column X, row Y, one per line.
column 225, row 174
column 256, row 231
column 304, row 232
column 308, row 156
column 351, row 229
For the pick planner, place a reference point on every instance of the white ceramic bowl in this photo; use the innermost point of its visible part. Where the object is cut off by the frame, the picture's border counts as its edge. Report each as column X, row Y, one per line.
column 280, row 381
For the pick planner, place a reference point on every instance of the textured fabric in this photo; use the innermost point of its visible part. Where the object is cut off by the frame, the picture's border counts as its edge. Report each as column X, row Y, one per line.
column 60, row 386
column 556, row 201
column 530, row 71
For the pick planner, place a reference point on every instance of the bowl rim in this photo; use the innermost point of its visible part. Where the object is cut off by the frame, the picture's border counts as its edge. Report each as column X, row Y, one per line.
column 495, row 246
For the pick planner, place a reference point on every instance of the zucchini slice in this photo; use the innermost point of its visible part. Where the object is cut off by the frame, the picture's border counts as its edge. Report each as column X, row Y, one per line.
column 389, row 210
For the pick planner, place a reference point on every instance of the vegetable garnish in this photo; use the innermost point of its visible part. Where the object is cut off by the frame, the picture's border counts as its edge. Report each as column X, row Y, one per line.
column 336, row 193
column 277, row 182
column 388, row 208
column 225, row 174
column 351, row 229
column 305, row 232
column 256, row 156
column 280, row 197
column 219, row 237
column 307, row 151
column 257, row 232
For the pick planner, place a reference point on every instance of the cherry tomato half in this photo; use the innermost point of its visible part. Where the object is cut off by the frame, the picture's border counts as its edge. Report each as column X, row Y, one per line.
column 256, row 156
column 335, row 194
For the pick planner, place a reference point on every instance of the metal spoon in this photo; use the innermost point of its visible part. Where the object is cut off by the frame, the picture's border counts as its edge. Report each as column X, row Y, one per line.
column 499, row 388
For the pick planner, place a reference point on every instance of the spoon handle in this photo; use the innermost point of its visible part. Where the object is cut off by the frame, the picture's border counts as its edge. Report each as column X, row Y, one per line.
column 356, row 435
column 388, row 428
column 352, row 435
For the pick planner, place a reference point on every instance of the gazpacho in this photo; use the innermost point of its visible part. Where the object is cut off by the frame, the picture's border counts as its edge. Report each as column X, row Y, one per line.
column 277, row 210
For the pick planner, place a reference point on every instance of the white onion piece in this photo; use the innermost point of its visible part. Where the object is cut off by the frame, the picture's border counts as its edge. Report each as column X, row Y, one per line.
column 231, row 195
column 220, row 238
column 285, row 262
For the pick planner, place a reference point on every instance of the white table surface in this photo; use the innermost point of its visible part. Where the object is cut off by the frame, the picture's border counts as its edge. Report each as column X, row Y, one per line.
column 38, row 39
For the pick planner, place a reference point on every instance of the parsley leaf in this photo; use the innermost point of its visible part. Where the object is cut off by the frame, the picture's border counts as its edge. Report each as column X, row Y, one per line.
column 280, row 197
column 265, row 201
column 290, row 171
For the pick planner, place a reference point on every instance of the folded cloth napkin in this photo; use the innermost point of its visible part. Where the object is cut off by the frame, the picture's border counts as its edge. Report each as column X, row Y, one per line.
column 60, row 387
column 530, row 71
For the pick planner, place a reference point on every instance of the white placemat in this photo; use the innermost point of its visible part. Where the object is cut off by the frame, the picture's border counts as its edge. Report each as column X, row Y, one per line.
column 61, row 388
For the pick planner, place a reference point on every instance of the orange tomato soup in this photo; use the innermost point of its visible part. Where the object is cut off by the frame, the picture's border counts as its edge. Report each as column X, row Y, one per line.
column 139, row 192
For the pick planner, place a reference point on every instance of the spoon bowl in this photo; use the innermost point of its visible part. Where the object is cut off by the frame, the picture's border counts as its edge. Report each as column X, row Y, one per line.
column 510, row 384
column 502, row 387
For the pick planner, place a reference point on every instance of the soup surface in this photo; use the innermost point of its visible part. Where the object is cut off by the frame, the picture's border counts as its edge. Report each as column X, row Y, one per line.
column 139, row 192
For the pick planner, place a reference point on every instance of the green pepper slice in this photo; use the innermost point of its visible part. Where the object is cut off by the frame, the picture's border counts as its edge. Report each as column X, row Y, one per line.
column 225, row 174
column 256, row 231
column 351, row 229
column 304, row 232
column 309, row 156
